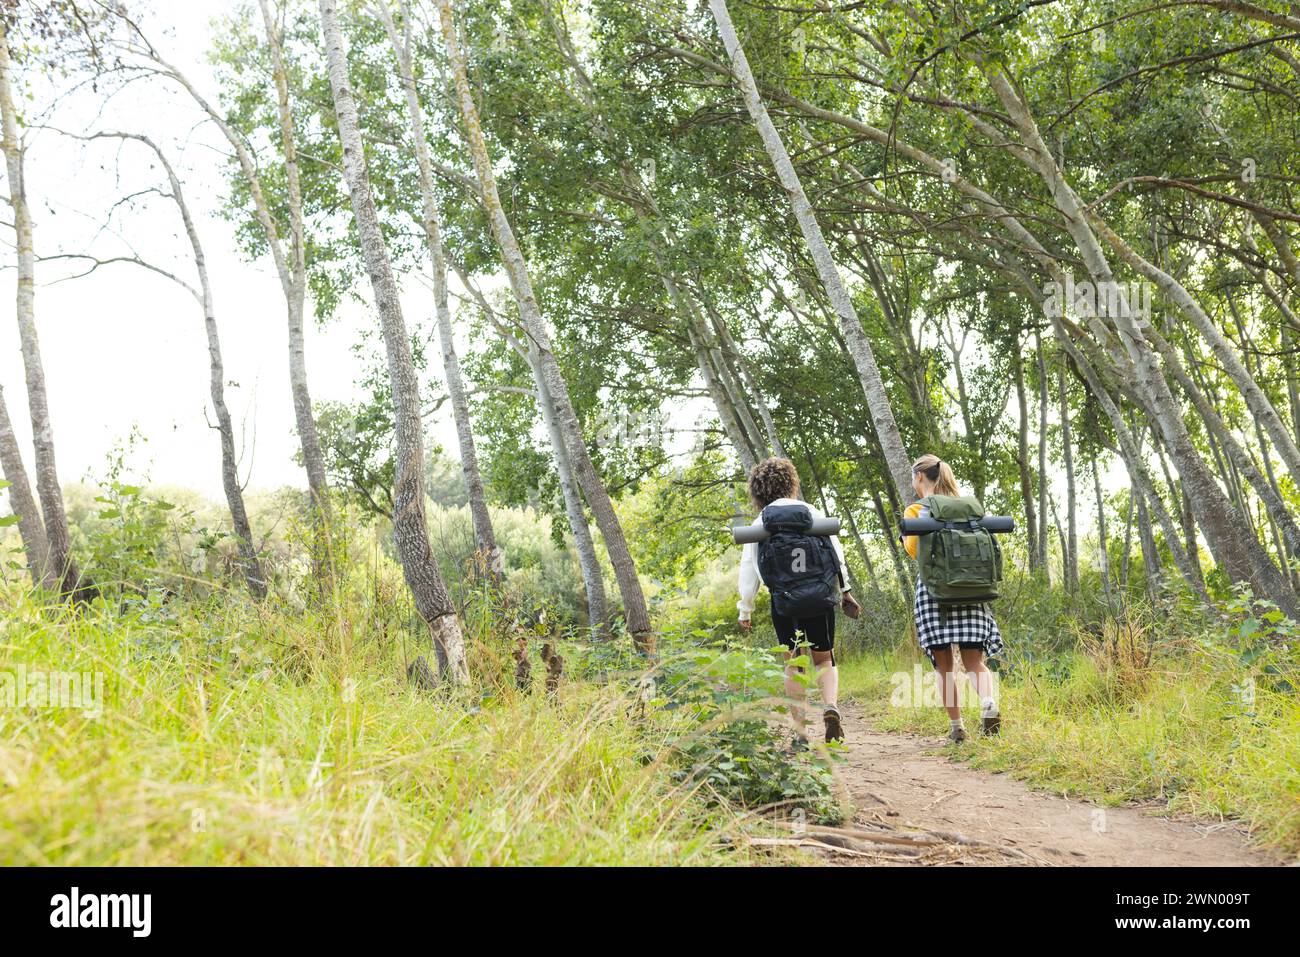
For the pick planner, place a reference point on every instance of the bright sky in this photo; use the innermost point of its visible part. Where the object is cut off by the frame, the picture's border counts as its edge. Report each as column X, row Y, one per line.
column 125, row 347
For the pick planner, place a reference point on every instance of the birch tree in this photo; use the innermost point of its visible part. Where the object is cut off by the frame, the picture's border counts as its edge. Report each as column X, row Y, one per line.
column 882, row 414
column 478, row 508
column 26, row 513
column 290, row 263
column 410, row 529
column 250, row 564
column 516, row 267
column 62, row 565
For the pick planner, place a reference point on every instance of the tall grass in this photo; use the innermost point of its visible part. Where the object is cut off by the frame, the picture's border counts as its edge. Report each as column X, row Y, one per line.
column 234, row 734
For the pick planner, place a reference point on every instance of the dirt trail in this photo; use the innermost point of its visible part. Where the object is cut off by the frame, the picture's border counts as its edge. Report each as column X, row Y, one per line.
column 915, row 806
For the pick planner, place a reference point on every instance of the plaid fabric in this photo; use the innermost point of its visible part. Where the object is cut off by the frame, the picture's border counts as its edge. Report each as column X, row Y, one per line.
column 938, row 625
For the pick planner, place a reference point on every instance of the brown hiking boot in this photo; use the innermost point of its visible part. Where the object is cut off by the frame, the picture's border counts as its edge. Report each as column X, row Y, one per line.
column 957, row 735
column 834, row 730
column 991, row 724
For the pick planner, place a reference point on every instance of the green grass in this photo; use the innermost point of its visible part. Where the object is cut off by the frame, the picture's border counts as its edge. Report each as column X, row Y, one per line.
column 232, row 735
column 1173, row 731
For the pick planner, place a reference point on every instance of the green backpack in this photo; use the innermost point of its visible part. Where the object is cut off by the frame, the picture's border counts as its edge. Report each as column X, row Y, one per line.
column 961, row 563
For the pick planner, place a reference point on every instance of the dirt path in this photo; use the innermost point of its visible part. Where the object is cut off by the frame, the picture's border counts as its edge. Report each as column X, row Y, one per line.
column 916, row 806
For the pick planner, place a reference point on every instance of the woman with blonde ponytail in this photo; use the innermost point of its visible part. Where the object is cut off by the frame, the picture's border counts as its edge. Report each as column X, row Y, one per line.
column 945, row 632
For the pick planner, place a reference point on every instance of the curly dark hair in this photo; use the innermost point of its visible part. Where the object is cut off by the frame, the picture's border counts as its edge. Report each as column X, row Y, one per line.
column 771, row 479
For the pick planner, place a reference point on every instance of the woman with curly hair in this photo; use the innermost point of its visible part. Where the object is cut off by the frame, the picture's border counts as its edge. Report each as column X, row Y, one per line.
column 775, row 482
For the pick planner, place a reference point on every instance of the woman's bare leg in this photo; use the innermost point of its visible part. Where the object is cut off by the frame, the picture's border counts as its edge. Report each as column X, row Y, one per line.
column 981, row 679
column 943, row 666
column 794, row 691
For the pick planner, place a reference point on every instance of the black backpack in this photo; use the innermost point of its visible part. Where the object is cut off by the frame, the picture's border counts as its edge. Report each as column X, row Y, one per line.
column 801, row 570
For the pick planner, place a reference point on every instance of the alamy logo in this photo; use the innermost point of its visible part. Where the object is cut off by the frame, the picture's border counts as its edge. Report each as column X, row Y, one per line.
column 29, row 688
column 1130, row 300
column 798, row 560
column 103, row 910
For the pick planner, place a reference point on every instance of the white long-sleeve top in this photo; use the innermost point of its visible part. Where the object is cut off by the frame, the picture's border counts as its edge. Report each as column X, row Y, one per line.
column 750, row 579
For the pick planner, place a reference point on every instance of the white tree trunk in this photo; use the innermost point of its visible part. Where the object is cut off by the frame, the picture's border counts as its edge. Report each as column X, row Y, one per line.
column 47, row 476
column 662, row 241
column 588, row 560
column 512, row 258
column 478, row 508
column 1258, row 403
column 882, row 415
column 251, row 566
column 23, row 504
column 296, row 286
column 410, row 529
column 1235, row 547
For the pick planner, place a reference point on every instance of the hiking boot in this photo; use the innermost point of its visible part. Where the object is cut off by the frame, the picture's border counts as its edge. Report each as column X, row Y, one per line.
column 991, row 724
column 798, row 743
column 834, row 730
column 957, row 735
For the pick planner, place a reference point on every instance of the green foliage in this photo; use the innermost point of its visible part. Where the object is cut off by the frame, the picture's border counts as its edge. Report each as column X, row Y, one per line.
column 741, row 748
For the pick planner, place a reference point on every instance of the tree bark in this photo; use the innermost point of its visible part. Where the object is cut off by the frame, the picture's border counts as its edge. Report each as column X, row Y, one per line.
column 410, row 529
column 1235, row 547
column 882, row 415
column 1071, row 558
column 620, row 555
column 295, row 282
column 1042, row 458
column 59, row 550
column 1103, row 546
column 1022, row 462
column 23, row 504
column 588, row 561
column 484, row 534
column 251, row 566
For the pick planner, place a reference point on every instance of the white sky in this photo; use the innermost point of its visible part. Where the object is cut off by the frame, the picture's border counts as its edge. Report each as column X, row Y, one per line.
column 123, row 346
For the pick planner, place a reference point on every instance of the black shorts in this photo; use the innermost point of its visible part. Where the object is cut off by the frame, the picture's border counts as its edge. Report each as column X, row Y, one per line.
column 819, row 631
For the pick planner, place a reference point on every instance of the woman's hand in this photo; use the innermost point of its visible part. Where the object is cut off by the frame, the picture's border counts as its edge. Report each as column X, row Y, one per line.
column 851, row 606
column 746, row 625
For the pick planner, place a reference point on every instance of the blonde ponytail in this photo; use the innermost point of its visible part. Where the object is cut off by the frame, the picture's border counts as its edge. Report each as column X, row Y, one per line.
column 938, row 472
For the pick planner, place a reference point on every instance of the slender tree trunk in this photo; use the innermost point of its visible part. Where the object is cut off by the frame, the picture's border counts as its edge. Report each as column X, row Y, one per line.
column 23, row 504
column 1103, row 553
column 409, row 526
column 251, row 566
column 620, row 555
column 295, row 282
column 48, row 490
column 1235, row 549
column 1042, row 458
column 588, row 561
column 478, row 507
column 1292, row 388
column 1126, row 557
column 1150, row 554
column 906, row 586
column 1022, row 462
column 1071, row 557
column 882, row 415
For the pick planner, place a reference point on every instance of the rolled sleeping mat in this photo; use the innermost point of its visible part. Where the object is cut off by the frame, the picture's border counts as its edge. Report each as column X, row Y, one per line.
column 744, row 534
column 924, row 526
